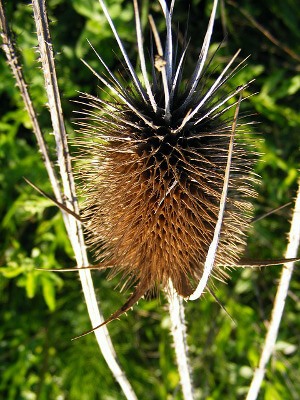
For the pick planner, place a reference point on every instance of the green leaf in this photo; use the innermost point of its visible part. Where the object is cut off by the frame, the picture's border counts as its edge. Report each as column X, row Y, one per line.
column 30, row 284
column 12, row 271
column 49, row 292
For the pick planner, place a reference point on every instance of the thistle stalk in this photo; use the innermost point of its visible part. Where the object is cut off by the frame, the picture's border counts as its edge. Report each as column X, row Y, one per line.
column 178, row 331
column 279, row 302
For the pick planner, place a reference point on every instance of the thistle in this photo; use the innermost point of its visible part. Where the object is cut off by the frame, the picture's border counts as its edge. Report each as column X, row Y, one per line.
column 154, row 165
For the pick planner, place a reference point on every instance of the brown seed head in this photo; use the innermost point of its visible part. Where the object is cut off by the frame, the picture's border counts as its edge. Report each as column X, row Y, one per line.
column 154, row 161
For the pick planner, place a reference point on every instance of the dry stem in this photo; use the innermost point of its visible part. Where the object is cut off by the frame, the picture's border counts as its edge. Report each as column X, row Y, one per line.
column 178, row 330
column 279, row 303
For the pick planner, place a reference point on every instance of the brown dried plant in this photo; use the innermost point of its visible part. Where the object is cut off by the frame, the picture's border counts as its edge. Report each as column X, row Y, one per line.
column 153, row 161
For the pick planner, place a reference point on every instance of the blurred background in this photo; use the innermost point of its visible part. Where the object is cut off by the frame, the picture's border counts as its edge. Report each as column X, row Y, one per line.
column 42, row 311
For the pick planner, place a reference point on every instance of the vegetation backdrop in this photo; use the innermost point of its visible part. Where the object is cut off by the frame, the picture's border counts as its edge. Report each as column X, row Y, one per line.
column 42, row 311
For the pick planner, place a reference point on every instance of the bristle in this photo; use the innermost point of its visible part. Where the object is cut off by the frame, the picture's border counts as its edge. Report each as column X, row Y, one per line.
column 153, row 164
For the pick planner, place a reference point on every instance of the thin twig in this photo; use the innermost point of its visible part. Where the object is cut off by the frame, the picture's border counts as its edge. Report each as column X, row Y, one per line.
column 178, row 330
column 279, row 303
column 265, row 32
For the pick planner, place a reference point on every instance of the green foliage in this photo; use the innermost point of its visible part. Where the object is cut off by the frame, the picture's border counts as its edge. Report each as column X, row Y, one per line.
column 41, row 311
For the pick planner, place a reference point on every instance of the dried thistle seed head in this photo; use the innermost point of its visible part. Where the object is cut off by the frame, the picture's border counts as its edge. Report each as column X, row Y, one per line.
column 154, row 162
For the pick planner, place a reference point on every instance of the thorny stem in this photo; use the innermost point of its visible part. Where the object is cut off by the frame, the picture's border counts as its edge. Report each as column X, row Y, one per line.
column 178, row 330
column 279, row 303
column 15, row 65
column 73, row 226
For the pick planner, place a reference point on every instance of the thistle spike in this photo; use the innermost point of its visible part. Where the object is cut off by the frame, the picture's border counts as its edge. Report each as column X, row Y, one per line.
column 162, row 68
column 106, row 67
column 169, row 45
column 203, row 54
column 167, row 185
column 119, row 95
column 126, row 58
column 142, row 55
column 238, row 90
column 213, row 88
column 211, row 254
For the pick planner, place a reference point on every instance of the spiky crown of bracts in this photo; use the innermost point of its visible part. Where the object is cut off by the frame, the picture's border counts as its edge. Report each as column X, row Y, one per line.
column 155, row 161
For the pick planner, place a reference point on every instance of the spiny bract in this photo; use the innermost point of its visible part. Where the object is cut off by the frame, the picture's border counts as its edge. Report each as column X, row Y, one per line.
column 154, row 166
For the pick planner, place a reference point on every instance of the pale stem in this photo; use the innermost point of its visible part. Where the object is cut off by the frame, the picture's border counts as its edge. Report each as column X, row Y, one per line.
column 279, row 302
column 178, row 330
column 15, row 65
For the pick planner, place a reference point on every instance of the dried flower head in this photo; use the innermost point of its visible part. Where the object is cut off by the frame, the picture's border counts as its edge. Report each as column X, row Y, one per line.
column 155, row 160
